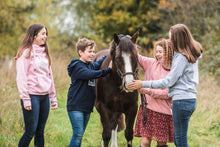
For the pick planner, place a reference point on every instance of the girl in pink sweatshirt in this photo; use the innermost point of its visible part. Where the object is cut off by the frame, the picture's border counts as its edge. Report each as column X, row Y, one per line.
column 159, row 124
column 35, row 84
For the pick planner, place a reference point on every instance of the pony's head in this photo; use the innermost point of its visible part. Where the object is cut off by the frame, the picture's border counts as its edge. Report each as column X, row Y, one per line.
column 123, row 51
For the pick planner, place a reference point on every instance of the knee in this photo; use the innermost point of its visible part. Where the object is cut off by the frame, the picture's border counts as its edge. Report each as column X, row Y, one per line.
column 29, row 133
column 145, row 142
column 78, row 135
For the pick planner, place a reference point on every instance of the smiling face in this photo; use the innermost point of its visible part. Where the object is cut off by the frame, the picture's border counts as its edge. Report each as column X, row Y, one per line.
column 159, row 54
column 88, row 54
column 41, row 37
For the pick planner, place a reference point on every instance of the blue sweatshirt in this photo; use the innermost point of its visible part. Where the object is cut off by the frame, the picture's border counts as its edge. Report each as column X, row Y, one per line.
column 181, row 81
column 81, row 94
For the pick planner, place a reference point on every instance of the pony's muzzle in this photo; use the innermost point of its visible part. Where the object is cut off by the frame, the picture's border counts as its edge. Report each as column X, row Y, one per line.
column 125, row 86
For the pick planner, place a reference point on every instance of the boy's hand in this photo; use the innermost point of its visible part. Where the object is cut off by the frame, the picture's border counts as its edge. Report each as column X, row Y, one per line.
column 110, row 64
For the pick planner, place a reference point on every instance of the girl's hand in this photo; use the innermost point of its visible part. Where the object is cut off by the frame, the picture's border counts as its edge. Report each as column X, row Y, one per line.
column 29, row 108
column 136, row 84
column 53, row 106
column 141, row 91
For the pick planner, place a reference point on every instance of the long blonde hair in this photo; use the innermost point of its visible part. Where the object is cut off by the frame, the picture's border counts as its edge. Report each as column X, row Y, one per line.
column 167, row 52
column 184, row 42
column 28, row 40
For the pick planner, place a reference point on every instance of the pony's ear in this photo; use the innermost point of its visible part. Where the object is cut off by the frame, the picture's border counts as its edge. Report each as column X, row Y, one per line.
column 134, row 37
column 116, row 39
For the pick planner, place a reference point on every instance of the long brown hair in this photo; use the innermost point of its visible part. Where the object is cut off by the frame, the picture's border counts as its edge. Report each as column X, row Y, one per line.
column 28, row 40
column 184, row 42
column 168, row 52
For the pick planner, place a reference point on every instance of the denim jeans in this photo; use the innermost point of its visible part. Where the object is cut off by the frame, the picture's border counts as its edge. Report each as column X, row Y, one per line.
column 182, row 111
column 35, row 120
column 79, row 121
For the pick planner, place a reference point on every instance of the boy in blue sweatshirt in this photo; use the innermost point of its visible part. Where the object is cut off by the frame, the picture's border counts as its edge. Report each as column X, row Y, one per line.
column 81, row 94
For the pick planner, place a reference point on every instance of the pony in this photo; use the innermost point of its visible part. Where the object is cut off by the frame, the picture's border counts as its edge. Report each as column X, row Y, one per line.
column 112, row 98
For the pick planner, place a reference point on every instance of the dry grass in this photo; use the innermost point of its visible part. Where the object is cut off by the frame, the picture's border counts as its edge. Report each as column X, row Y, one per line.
column 204, row 129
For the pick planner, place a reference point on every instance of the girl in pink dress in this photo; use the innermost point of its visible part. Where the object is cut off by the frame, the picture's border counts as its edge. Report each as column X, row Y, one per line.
column 159, row 124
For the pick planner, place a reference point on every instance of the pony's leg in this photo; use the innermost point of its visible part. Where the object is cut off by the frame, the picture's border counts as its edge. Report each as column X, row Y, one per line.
column 106, row 133
column 106, row 124
column 114, row 137
column 129, row 120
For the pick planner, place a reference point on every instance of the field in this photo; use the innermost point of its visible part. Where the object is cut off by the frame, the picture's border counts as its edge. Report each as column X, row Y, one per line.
column 204, row 128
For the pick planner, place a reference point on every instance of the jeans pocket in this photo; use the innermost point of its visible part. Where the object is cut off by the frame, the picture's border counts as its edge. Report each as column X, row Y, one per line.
column 188, row 107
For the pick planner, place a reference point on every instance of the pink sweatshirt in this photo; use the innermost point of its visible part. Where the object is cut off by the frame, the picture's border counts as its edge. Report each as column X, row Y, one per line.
column 158, row 99
column 34, row 76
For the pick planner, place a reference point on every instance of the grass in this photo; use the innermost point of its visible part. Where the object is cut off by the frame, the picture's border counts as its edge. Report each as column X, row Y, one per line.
column 204, row 127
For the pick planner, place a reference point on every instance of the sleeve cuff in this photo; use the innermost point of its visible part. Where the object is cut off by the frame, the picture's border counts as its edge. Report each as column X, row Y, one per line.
column 146, row 84
column 54, row 101
column 26, row 103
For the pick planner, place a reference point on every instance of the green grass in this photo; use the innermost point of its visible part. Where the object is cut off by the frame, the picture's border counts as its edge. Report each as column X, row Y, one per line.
column 204, row 127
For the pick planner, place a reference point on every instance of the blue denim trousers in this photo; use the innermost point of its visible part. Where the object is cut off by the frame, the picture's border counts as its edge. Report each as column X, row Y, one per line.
column 79, row 121
column 182, row 112
column 35, row 120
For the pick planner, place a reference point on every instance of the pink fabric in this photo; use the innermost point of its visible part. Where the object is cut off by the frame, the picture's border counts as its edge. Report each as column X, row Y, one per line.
column 157, row 99
column 34, row 76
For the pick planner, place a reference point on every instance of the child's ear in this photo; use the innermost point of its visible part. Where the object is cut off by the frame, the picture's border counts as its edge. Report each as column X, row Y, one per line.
column 80, row 52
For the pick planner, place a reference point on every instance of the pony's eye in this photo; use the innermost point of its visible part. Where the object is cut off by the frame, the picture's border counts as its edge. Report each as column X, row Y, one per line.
column 118, row 60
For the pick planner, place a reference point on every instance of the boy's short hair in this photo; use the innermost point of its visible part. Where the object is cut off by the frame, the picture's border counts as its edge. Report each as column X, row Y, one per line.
column 83, row 43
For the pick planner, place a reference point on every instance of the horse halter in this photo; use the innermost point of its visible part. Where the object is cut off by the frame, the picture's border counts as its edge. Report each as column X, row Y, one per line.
column 121, row 75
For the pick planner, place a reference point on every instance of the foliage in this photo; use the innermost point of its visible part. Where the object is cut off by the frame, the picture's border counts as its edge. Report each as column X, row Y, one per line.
column 13, row 21
column 200, row 16
column 74, row 19
column 126, row 17
column 154, row 18
column 16, row 16
column 67, row 20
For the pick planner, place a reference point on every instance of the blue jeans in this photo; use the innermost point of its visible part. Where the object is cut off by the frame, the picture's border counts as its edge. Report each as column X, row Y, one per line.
column 79, row 121
column 182, row 111
column 35, row 120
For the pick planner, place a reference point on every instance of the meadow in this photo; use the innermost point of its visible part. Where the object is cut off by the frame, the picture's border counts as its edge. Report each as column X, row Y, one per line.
column 204, row 127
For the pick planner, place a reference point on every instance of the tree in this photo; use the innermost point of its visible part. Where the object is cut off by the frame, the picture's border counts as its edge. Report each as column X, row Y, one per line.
column 126, row 17
column 13, row 21
column 16, row 16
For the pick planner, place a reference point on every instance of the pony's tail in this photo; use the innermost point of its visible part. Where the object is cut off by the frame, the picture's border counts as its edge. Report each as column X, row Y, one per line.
column 121, row 124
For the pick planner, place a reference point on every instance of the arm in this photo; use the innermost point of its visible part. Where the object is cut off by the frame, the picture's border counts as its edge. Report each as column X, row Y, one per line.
column 155, row 93
column 98, row 63
column 145, row 62
column 52, row 92
column 178, row 66
column 82, row 72
column 21, row 78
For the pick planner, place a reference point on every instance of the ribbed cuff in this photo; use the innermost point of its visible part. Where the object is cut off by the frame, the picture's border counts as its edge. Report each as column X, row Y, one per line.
column 26, row 103
column 146, row 84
